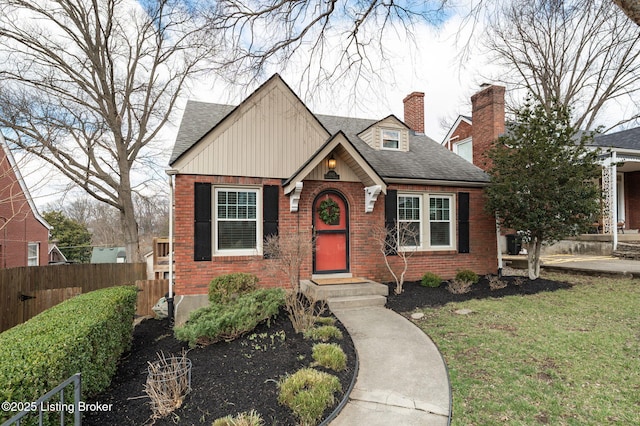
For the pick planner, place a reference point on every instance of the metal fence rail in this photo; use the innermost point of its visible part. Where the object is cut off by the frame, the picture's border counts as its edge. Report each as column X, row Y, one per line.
column 39, row 404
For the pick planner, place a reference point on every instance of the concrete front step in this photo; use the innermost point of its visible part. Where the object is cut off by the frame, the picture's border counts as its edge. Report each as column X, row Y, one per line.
column 325, row 292
column 344, row 296
column 350, row 302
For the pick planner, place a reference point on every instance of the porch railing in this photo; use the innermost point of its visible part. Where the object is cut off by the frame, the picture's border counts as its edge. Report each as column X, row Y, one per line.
column 42, row 404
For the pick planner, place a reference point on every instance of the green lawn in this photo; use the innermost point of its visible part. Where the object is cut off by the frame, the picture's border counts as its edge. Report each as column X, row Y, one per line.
column 566, row 357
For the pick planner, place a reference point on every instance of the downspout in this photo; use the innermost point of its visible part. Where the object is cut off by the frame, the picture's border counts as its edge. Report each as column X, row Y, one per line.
column 498, row 246
column 170, row 307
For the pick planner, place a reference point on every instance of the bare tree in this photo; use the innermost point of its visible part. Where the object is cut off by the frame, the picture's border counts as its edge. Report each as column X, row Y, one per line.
column 583, row 53
column 631, row 8
column 401, row 241
column 87, row 85
column 288, row 252
column 335, row 38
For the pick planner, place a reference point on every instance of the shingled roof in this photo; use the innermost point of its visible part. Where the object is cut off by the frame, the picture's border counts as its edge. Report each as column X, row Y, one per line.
column 425, row 160
column 626, row 139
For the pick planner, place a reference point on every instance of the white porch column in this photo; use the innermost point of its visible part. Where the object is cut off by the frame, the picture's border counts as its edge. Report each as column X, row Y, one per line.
column 610, row 208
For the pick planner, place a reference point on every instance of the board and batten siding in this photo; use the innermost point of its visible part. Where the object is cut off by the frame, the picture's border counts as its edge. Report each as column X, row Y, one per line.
column 271, row 134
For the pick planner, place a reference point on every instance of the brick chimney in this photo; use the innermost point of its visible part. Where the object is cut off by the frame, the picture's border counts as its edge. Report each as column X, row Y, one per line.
column 487, row 114
column 414, row 111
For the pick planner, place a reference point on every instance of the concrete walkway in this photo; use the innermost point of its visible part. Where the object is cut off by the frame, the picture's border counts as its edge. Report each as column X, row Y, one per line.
column 608, row 265
column 402, row 378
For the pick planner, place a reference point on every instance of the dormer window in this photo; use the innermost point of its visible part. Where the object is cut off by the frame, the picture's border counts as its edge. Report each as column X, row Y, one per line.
column 390, row 139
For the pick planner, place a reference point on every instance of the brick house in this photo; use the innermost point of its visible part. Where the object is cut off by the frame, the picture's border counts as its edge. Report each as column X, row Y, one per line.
column 267, row 165
column 471, row 137
column 24, row 234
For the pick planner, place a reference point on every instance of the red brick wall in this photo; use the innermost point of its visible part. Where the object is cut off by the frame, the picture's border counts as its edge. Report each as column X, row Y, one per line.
column 18, row 225
column 488, row 122
column 462, row 132
column 632, row 202
column 365, row 260
column 414, row 111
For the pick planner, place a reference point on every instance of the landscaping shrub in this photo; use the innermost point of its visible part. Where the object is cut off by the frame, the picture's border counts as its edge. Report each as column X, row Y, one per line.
column 227, row 287
column 495, row 283
column 325, row 320
column 252, row 418
column 303, row 311
column 231, row 320
column 467, row 275
column 459, row 286
column 329, row 355
column 323, row 333
column 308, row 393
column 85, row 334
column 430, row 279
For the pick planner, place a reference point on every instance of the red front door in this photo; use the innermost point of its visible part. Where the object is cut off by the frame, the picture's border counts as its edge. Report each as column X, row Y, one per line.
column 331, row 230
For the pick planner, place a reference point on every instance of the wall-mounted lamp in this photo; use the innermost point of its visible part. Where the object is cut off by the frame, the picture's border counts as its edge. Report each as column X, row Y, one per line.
column 331, row 164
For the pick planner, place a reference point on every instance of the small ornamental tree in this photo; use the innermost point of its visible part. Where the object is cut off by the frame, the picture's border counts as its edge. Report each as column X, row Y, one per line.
column 543, row 179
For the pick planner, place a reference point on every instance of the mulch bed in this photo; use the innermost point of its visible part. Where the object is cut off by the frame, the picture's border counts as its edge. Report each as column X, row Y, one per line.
column 237, row 376
column 415, row 296
column 227, row 377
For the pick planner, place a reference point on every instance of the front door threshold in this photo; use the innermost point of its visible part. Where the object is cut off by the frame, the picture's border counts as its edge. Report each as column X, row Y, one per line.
column 336, row 275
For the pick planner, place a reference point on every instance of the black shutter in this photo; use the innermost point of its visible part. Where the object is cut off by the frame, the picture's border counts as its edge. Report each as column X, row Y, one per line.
column 202, row 230
column 391, row 214
column 463, row 222
column 270, row 210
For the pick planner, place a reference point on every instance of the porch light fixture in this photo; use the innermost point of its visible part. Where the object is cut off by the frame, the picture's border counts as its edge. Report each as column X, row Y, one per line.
column 331, row 164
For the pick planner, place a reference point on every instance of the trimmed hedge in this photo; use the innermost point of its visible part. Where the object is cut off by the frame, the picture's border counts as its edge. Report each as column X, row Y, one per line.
column 86, row 334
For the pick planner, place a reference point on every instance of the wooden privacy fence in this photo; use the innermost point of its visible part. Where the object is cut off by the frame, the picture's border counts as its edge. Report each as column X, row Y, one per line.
column 29, row 290
column 150, row 292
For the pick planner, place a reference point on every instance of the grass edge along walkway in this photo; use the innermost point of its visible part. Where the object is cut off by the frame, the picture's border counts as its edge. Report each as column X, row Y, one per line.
column 565, row 357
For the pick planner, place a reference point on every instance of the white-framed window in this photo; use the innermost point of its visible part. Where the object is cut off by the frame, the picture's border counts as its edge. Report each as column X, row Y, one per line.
column 237, row 227
column 440, row 221
column 409, row 221
column 430, row 219
column 390, row 139
column 33, row 254
column 464, row 149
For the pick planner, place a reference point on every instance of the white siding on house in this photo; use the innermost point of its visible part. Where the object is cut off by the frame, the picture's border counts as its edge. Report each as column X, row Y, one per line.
column 373, row 135
column 270, row 135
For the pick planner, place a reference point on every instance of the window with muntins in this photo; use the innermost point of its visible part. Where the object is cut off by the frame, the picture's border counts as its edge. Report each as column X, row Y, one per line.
column 33, row 252
column 431, row 229
column 236, row 220
column 409, row 221
column 440, row 221
column 390, row 139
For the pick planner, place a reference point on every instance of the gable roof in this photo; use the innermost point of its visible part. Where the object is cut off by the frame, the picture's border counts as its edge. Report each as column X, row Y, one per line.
column 454, row 127
column 625, row 139
column 21, row 182
column 342, row 145
column 426, row 161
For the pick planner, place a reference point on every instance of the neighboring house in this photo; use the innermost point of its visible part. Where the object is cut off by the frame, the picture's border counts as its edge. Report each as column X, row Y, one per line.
column 620, row 158
column 267, row 165
column 24, row 234
column 108, row 255
column 157, row 260
column 55, row 255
